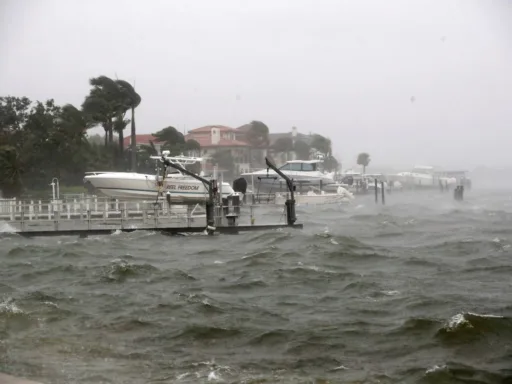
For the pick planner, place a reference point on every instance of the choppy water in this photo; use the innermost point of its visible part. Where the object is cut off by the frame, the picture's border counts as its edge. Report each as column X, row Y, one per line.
column 418, row 291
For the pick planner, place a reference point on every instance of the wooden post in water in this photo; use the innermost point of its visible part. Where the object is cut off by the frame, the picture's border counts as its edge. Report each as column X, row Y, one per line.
column 22, row 218
column 376, row 193
column 56, row 218
column 383, row 192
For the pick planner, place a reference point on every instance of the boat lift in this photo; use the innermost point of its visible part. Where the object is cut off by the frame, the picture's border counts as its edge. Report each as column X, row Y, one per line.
column 291, row 218
column 211, row 186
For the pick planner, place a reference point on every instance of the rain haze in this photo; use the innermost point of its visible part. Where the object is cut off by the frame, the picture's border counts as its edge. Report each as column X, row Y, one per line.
column 409, row 82
column 235, row 254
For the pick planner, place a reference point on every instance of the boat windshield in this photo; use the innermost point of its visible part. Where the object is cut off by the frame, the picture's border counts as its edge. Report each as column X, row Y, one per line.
column 299, row 167
column 423, row 170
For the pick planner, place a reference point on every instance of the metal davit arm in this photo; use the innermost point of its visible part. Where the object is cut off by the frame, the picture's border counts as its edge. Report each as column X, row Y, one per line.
column 289, row 182
column 210, row 185
column 290, row 203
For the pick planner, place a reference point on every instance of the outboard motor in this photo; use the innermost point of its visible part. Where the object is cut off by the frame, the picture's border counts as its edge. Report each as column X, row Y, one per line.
column 240, row 185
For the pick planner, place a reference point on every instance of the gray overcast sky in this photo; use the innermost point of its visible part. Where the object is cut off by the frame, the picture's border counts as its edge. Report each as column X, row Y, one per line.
column 346, row 69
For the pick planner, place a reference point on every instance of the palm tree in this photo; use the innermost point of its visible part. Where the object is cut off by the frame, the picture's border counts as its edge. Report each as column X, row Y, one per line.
column 11, row 169
column 104, row 103
column 145, row 152
column 72, row 118
column 133, row 100
column 257, row 137
column 364, row 160
column 119, row 125
column 193, row 147
column 173, row 140
column 283, row 145
column 302, row 150
column 322, row 144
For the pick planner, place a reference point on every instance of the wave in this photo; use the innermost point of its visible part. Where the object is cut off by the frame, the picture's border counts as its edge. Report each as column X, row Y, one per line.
column 463, row 247
column 14, row 319
column 272, row 338
column 452, row 372
column 467, row 327
column 120, row 270
column 206, row 332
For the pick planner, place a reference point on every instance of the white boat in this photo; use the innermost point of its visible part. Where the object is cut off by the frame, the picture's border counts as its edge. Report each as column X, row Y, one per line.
column 303, row 172
column 357, row 182
column 423, row 176
column 137, row 186
column 318, row 197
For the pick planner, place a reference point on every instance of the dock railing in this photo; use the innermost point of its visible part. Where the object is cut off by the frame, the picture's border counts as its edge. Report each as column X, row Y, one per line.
column 103, row 213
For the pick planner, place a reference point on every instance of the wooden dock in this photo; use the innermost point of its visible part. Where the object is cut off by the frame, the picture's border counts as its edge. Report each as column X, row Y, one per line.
column 100, row 216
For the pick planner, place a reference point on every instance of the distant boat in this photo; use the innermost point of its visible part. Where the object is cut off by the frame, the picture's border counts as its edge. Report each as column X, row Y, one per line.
column 304, row 173
column 424, row 176
column 312, row 197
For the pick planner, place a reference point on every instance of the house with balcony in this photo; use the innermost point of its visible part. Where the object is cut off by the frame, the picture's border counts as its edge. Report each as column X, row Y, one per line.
column 215, row 138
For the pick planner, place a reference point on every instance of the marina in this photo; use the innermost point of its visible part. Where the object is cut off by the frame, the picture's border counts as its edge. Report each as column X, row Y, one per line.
column 105, row 216
column 255, row 193
column 230, row 211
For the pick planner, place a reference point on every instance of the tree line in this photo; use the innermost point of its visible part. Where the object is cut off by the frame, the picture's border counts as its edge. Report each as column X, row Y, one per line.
column 40, row 140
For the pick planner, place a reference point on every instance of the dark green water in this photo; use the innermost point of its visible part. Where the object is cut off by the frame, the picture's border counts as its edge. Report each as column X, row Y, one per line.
column 418, row 291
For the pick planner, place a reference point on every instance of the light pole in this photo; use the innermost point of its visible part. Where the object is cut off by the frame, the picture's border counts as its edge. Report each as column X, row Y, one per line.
column 55, row 187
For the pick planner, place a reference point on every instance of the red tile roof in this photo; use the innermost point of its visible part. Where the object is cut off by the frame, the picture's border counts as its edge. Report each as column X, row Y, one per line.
column 140, row 139
column 206, row 142
column 208, row 128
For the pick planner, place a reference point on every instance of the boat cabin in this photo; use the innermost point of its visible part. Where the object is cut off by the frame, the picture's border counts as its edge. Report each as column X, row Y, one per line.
column 301, row 165
column 456, row 174
column 424, row 169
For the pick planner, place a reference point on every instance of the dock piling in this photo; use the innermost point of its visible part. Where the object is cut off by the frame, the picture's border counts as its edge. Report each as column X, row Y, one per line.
column 210, row 219
column 232, row 210
column 290, row 212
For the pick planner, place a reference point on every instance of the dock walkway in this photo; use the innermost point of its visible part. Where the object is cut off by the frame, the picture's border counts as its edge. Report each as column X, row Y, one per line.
column 94, row 216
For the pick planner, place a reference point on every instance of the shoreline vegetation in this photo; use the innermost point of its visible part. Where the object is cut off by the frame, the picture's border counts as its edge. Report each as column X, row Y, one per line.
column 40, row 140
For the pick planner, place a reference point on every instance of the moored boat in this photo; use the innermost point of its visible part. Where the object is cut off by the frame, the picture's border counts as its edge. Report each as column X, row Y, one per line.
column 137, row 186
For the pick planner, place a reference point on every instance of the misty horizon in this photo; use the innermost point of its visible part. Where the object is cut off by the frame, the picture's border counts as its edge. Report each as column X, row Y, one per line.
column 409, row 83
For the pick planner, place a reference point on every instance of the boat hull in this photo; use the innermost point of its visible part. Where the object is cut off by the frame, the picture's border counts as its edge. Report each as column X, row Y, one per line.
column 416, row 180
column 342, row 196
column 315, row 199
column 276, row 184
column 145, row 187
